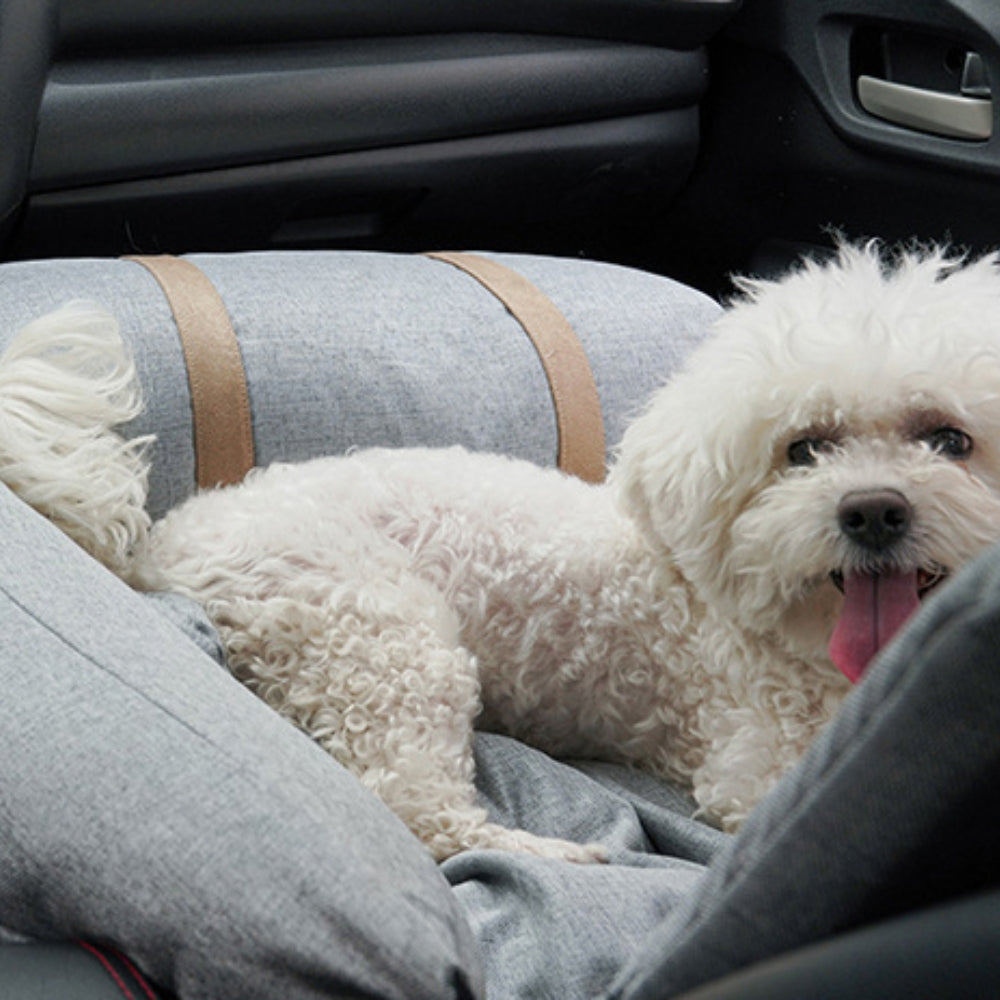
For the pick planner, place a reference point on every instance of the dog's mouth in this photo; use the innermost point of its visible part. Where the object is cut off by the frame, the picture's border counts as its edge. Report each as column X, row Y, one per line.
column 876, row 605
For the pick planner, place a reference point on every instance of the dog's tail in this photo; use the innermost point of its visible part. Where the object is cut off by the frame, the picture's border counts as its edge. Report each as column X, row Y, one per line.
column 66, row 383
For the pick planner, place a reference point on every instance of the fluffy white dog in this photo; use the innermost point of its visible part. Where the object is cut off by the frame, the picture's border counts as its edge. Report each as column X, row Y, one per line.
column 825, row 459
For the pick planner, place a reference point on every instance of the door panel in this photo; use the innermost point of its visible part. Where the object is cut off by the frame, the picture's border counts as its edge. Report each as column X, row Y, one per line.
column 790, row 153
column 169, row 127
column 148, row 115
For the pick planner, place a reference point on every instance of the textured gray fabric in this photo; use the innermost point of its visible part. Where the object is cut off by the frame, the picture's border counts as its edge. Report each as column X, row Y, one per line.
column 894, row 807
column 149, row 800
column 554, row 931
column 158, row 805
column 352, row 349
column 191, row 619
column 341, row 350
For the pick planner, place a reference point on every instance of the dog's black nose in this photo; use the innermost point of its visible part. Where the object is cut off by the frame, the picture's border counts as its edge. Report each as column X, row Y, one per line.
column 874, row 519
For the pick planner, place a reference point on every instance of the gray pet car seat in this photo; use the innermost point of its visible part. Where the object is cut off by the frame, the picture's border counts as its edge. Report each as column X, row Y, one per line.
column 347, row 350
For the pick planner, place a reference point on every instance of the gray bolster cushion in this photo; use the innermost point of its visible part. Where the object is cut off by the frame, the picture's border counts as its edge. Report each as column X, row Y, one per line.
column 353, row 349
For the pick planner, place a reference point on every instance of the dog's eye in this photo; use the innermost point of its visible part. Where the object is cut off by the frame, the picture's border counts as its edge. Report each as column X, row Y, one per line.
column 804, row 450
column 950, row 442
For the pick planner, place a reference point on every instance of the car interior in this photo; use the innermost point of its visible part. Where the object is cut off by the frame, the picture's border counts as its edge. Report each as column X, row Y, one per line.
column 694, row 139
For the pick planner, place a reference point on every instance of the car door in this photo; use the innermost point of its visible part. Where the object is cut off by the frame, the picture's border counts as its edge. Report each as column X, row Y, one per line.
column 249, row 124
column 874, row 118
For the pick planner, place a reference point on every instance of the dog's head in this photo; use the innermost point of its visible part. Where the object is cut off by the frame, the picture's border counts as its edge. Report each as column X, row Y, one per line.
column 832, row 454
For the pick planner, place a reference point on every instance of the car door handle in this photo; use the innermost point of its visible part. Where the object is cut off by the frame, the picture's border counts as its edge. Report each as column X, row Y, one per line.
column 951, row 115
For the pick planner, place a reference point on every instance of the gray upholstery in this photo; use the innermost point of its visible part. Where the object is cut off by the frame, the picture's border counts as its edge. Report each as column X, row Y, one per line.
column 152, row 811
column 311, row 888
column 68, row 972
column 348, row 350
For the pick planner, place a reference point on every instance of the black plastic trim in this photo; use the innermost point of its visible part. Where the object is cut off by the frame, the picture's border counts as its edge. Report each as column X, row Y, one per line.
column 129, row 117
column 99, row 24
column 27, row 33
column 563, row 189
column 948, row 952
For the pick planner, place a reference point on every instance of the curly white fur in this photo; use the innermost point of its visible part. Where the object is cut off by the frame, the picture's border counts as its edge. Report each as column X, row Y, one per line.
column 66, row 382
column 676, row 618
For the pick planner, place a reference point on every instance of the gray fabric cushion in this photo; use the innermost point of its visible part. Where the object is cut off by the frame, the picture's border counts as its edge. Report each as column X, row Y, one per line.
column 257, row 868
column 155, row 803
column 149, row 800
column 350, row 349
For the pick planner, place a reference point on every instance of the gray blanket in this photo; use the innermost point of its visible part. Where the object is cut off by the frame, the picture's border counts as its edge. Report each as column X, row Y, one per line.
column 549, row 929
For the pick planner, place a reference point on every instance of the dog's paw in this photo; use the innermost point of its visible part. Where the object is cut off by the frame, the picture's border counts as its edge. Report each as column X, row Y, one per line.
column 484, row 836
column 567, row 850
column 546, row 847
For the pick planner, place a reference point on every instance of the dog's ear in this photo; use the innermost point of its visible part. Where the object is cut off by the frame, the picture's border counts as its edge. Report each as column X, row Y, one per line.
column 66, row 383
column 689, row 463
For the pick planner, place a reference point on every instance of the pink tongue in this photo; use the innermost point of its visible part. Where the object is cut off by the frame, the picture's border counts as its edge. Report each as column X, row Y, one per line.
column 875, row 607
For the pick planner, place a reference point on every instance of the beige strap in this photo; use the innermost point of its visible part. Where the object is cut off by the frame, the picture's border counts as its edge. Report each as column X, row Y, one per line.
column 579, row 422
column 220, row 404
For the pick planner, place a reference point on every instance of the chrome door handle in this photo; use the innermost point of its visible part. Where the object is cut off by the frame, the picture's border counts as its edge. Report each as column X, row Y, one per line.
column 951, row 115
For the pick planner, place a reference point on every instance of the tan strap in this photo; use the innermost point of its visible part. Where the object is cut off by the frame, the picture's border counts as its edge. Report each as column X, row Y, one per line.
column 579, row 422
column 220, row 404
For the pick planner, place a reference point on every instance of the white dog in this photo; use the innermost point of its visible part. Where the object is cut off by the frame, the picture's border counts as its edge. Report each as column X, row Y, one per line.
column 824, row 460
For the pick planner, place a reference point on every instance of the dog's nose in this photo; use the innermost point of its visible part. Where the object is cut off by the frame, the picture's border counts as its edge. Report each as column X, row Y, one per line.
column 874, row 519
